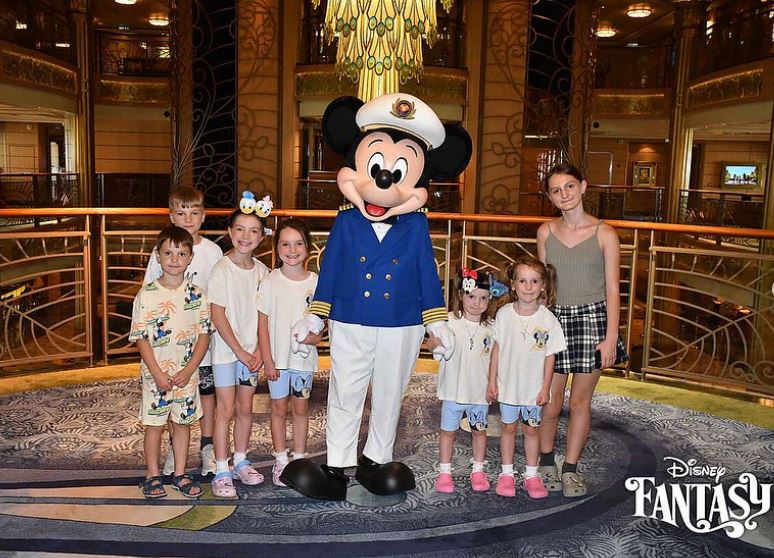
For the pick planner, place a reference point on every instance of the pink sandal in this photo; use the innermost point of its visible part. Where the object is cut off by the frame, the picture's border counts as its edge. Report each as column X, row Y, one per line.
column 444, row 483
column 479, row 482
column 223, row 486
column 247, row 474
column 535, row 488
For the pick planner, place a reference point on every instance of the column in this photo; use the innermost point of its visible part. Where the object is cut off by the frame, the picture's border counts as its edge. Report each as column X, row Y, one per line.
column 181, row 92
column 690, row 19
column 289, row 137
column 80, row 16
column 583, row 54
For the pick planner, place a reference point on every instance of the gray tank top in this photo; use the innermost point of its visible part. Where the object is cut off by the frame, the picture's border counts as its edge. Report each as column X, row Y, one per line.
column 580, row 270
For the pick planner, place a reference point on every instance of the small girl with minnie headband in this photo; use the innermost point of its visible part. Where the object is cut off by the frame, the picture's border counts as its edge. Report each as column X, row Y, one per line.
column 522, row 366
column 236, row 357
column 462, row 380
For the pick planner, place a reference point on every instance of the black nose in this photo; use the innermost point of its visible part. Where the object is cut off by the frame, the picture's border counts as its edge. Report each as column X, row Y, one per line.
column 384, row 179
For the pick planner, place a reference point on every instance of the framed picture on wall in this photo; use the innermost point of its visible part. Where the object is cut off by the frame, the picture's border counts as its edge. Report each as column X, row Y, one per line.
column 644, row 174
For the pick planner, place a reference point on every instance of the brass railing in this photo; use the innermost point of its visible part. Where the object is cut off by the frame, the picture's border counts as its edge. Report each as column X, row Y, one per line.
column 691, row 308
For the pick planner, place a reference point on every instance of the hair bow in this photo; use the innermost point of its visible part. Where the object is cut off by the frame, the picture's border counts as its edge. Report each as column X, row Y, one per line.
column 472, row 273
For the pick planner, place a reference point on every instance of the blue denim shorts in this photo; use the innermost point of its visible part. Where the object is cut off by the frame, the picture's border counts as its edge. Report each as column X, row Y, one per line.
column 295, row 382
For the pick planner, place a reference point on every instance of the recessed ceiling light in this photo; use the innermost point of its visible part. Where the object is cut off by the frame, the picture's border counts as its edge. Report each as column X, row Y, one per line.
column 20, row 25
column 123, row 28
column 159, row 20
column 605, row 30
column 62, row 45
column 632, row 44
column 641, row 9
column 126, row 2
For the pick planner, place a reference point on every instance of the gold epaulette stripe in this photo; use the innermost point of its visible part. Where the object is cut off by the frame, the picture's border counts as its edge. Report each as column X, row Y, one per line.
column 320, row 308
column 434, row 315
column 346, row 206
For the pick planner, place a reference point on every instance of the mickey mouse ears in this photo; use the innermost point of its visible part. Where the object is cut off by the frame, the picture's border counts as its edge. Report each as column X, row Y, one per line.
column 470, row 280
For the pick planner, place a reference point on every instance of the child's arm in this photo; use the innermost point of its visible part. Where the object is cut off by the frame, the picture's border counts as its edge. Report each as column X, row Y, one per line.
column 146, row 354
column 544, row 396
column 491, row 388
column 265, row 344
column 183, row 375
column 220, row 322
column 612, row 255
column 258, row 352
column 312, row 339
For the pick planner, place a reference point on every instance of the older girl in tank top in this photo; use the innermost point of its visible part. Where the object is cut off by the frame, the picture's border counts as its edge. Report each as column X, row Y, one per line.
column 585, row 253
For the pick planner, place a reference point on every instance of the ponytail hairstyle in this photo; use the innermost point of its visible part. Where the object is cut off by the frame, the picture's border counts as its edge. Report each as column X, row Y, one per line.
column 547, row 274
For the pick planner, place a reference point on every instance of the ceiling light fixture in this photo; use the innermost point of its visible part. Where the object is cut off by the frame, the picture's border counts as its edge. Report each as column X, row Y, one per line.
column 126, row 2
column 159, row 20
column 62, row 45
column 641, row 9
column 605, row 30
column 20, row 25
column 123, row 28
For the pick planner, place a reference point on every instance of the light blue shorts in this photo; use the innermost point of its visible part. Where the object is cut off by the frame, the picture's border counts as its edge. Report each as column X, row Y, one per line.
column 452, row 412
column 233, row 374
column 295, row 382
column 530, row 414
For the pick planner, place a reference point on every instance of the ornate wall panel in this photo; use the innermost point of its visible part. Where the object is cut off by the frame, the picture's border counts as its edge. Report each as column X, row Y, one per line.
column 259, row 88
column 34, row 70
column 733, row 87
column 145, row 92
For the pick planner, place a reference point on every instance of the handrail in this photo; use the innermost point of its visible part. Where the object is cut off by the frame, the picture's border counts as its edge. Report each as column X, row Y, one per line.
column 456, row 217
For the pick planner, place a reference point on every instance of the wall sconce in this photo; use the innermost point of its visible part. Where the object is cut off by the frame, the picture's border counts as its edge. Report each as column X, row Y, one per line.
column 605, row 30
column 640, row 9
column 159, row 20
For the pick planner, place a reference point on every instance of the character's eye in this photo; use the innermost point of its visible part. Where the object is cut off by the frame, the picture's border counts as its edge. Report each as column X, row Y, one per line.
column 399, row 170
column 375, row 164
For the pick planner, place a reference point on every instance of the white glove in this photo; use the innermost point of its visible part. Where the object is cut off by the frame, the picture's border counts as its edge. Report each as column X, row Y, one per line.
column 445, row 335
column 309, row 324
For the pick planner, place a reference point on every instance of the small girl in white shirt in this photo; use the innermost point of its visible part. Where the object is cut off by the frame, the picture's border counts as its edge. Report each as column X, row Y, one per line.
column 236, row 356
column 522, row 366
column 289, row 363
column 462, row 380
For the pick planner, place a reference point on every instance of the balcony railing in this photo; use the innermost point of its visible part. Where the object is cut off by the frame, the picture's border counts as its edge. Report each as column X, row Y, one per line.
column 633, row 67
column 698, row 312
column 145, row 55
column 39, row 190
column 40, row 25
column 736, row 37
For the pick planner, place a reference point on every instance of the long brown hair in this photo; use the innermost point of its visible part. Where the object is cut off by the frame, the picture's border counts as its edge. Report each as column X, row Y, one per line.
column 547, row 274
column 456, row 304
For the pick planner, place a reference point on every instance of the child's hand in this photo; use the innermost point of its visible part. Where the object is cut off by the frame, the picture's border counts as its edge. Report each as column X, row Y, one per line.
column 491, row 392
column 245, row 358
column 182, row 377
column 543, row 397
column 271, row 372
column 312, row 339
column 432, row 342
column 256, row 360
column 163, row 382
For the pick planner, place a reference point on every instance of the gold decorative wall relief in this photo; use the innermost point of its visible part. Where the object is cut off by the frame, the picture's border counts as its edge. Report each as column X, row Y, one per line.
column 144, row 92
column 36, row 71
column 631, row 104
column 741, row 85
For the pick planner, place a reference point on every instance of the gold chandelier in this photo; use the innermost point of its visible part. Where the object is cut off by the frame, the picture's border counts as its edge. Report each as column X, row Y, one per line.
column 380, row 41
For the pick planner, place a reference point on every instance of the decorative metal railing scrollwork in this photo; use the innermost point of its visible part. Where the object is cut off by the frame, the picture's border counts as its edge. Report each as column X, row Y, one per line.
column 693, row 306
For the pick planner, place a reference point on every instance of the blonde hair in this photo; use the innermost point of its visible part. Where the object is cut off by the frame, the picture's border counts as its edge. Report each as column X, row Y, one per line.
column 547, row 274
column 185, row 196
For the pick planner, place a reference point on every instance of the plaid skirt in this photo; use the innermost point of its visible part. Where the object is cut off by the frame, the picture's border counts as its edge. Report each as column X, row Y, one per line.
column 584, row 326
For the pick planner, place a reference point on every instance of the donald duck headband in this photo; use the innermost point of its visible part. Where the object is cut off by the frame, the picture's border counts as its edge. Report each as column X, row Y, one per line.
column 262, row 208
column 470, row 280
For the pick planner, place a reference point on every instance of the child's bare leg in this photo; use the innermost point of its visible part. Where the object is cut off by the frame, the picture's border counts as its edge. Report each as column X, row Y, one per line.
column 478, row 439
column 180, row 447
column 152, row 448
column 279, row 413
column 446, row 446
column 226, row 403
column 207, row 422
column 508, row 443
column 531, row 445
column 300, row 407
column 243, row 424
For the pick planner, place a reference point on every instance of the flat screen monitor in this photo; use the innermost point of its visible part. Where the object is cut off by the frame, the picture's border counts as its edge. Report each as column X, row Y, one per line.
column 741, row 175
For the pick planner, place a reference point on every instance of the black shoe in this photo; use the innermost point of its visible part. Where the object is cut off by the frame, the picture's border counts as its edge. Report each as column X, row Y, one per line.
column 315, row 481
column 384, row 480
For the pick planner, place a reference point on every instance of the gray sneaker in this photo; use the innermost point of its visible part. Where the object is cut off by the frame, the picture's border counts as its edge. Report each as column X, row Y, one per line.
column 169, row 464
column 208, row 460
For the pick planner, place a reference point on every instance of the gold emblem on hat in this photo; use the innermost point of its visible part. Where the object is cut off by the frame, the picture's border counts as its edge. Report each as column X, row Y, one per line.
column 403, row 108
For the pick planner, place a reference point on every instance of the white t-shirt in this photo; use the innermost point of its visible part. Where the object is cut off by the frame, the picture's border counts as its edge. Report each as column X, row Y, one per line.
column 524, row 343
column 236, row 290
column 205, row 255
column 284, row 302
column 463, row 378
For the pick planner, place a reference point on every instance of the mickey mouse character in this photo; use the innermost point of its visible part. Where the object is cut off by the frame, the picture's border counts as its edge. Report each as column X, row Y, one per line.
column 378, row 286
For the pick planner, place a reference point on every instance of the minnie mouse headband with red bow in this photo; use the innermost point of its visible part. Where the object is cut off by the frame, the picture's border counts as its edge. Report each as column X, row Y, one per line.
column 470, row 280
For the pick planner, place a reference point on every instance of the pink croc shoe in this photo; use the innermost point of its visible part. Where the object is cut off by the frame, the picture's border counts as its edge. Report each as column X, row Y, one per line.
column 506, row 486
column 246, row 474
column 223, row 486
column 479, row 482
column 535, row 488
column 444, row 483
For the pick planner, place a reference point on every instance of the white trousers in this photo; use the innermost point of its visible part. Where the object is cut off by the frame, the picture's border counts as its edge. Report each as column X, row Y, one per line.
column 382, row 357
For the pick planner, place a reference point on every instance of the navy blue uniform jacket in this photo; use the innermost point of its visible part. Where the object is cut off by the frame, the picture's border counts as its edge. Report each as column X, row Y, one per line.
column 392, row 283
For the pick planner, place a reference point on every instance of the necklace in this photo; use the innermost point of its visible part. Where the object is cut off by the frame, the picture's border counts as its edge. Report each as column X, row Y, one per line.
column 523, row 324
column 470, row 335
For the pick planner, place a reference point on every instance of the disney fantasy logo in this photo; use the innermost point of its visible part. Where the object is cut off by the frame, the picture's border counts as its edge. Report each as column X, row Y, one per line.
column 702, row 507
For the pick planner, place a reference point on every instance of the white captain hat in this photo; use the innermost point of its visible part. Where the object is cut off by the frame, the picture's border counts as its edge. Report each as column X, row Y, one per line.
column 404, row 112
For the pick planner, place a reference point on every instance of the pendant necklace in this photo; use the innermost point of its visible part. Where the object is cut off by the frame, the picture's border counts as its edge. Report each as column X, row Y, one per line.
column 524, row 324
column 470, row 335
